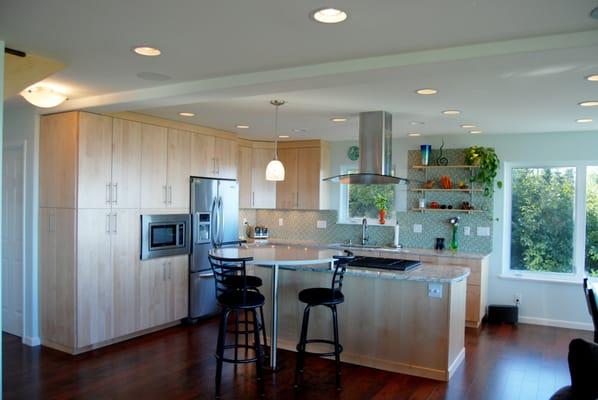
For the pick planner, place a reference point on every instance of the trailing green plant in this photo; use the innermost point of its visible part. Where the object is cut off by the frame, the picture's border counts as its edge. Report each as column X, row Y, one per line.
column 381, row 202
column 487, row 161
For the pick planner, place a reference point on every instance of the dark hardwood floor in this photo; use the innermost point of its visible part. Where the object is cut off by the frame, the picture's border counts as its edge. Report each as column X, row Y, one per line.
column 502, row 362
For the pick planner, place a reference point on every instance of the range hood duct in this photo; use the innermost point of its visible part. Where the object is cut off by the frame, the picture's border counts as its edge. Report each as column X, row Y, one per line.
column 375, row 148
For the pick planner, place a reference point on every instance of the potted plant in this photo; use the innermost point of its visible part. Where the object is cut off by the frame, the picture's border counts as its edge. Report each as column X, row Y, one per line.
column 487, row 161
column 381, row 203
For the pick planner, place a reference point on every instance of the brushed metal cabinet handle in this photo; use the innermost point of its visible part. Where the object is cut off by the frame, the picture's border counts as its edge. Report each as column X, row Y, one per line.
column 115, row 193
column 253, row 199
column 108, row 223
column 114, row 229
column 108, row 193
column 169, row 194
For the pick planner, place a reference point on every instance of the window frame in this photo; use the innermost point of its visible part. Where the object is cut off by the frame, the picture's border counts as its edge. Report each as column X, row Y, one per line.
column 579, row 220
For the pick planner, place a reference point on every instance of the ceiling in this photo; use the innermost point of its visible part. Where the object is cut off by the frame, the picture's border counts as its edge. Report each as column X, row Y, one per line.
column 225, row 60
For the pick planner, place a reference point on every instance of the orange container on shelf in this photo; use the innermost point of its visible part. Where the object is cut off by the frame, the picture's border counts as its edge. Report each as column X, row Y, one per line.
column 446, row 182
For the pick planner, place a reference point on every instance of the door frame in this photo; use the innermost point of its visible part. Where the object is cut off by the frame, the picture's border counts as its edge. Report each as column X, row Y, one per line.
column 22, row 146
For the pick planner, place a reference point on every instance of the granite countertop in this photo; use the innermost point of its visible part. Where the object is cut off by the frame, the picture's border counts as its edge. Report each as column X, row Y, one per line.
column 382, row 249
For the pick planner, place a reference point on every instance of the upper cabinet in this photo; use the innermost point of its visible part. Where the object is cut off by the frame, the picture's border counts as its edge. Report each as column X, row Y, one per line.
column 126, row 163
column 213, row 157
column 179, row 164
column 225, row 155
column 245, row 177
column 306, row 163
column 254, row 190
column 154, row 154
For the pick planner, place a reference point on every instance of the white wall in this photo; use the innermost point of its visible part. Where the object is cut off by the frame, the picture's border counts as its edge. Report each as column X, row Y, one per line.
column 547, row 303
column 21, row 124
column 1, row 114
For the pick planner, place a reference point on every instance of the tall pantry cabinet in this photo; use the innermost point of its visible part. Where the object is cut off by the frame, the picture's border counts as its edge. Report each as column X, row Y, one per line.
column 91, row 279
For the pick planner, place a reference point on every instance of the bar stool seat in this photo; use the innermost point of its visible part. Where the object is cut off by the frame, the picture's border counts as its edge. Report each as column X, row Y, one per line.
column 321, row 296
column 241, row 300
column 239, row 282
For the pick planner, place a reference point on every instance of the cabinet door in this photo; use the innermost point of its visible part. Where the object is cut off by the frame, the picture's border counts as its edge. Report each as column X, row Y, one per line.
column 179, row 153
column 178, row 287
column 203, row 162
column 126, row 164
column 95, row 161
column 94, row 277
column 152, row 293
column 125, row 263
column 245, row 177
column 308, row 179
column 226, row 152
column 57, row 227
column 264, row 192
column 286, row 191
column 153, row 166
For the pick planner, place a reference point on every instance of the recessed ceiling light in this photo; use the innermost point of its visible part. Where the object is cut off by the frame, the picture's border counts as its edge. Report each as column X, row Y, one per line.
column 468, row 126
column 329, row 15
column 584, row 120
column 338, row 119
column 426, row 91
column 243, row 126
column 412, row 134
column 147, row 51
column 593, row 78
column 592, row 103
column 416, row 123
column 283, row 136
column 451, row 112
column 474, row 132
column 299, row 130
column 187, row 114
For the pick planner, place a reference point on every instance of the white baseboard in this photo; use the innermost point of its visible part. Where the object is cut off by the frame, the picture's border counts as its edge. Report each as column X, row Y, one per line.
column 32, row 341
column 557, row 323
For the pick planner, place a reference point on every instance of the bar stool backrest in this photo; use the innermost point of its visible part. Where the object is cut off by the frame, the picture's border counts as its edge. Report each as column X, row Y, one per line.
column 592, row 306
column 340, row 267
column 225, row 267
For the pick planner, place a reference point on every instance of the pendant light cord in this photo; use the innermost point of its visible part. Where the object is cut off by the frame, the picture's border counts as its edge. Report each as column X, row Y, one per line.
column 276, row 133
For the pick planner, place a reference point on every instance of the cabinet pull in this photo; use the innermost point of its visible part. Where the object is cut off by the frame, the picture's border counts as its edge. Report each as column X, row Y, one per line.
column 297, row 199
column 51, row 223
column 164, row 271
column 108, row 193
column 114, row 228
column 108, row 224
column 170, row 271
column 115, row 193
column 252, row 199
column 169, row 194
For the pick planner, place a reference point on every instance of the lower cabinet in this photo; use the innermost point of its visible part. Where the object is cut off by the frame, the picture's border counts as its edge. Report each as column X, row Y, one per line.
column 94, row 289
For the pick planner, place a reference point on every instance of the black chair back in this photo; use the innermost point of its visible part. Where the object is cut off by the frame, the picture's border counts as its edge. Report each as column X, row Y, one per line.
column 225, row 267
column 592, row 306
column 340, row 267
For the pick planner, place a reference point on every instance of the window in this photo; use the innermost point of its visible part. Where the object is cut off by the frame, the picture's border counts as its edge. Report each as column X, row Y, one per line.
column 358, row 201
column 552, row 221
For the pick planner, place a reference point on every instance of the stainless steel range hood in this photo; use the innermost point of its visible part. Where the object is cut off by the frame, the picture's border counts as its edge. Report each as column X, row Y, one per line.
column 375, row 148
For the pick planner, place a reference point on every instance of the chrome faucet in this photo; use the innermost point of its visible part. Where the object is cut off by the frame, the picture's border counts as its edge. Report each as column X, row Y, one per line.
column 364, row 232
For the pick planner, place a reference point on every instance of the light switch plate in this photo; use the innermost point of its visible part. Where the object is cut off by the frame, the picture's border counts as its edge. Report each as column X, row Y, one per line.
column 417, row 228
column 483, row 231
column 280, row 222
column 466, row 231
column 435, row 290
column 321, row 224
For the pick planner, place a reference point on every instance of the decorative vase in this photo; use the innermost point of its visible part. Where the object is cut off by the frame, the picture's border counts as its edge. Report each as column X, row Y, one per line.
column 382, row 214
column 426, row 149
column 454, row 246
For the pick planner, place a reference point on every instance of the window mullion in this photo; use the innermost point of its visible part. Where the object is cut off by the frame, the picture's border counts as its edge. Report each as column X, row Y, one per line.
column 580, row 219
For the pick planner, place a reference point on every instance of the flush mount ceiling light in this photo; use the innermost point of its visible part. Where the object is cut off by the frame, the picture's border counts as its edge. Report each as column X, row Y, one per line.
column 283, row 136
column 147, row 51
column 451, row 112
column 592, row 103
column 275, row 169
column 413, row 134
column 474, row 132
column 43, row 96
column 468, row 126
column 426, row 91
column 584, row 120
column 592, row 78
column 187, row 114
column 243, row 126
column 299, row 130
column 338, row 119
column 416, row 123
column 329, row 15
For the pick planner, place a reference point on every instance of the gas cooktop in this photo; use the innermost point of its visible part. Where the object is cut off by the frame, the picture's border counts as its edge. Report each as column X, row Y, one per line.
column 384, row 263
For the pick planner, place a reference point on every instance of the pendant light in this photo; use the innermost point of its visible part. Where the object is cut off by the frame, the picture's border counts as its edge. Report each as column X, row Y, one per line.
column 42, row 96
column 275, row 169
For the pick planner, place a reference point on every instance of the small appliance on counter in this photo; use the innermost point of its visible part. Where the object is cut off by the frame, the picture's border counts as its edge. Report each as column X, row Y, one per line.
column 257, row 232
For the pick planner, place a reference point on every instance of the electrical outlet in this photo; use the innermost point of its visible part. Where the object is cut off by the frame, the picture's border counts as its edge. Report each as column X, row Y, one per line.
column 517, row 299
column 244, row 221
column 483, row 231
column 417, row 228
column 435, row 290
column 321, row 224
column 280, row 222
column 466, row 231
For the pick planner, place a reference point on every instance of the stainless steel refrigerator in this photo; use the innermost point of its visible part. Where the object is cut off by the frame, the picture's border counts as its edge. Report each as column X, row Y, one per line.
column 215, row 222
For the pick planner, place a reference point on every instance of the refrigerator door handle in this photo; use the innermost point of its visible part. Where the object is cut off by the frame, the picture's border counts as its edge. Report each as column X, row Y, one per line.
column 220, row 221
column 213, row 223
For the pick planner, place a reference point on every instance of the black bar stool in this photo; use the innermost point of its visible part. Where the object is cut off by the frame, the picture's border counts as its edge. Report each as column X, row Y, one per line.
column 235, row 299
column 328, row 297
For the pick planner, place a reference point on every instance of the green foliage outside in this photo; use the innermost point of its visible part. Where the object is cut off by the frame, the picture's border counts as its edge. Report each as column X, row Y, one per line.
column 362, row 199
column 592, row 222
column 543, row 219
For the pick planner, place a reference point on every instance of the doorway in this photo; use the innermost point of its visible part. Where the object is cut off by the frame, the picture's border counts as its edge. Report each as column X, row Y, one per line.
column 13, row 250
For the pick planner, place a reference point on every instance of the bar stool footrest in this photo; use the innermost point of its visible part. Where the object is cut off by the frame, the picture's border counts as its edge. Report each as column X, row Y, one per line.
column 322, row 354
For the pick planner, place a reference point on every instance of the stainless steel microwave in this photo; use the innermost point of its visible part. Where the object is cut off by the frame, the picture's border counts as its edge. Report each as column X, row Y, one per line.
column 165, row 235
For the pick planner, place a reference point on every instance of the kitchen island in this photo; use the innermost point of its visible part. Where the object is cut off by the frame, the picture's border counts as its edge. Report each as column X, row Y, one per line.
column 409, row 322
